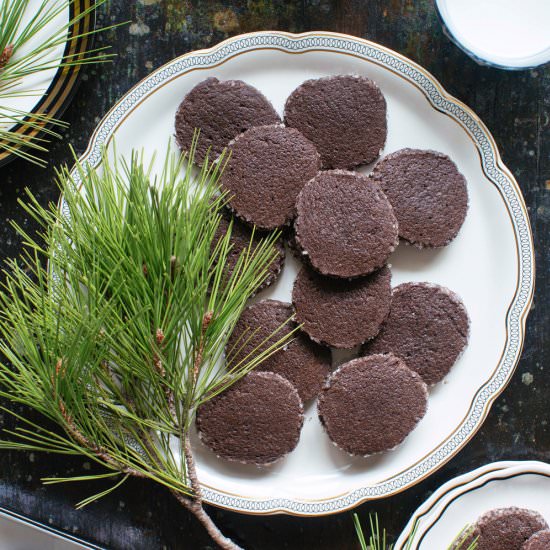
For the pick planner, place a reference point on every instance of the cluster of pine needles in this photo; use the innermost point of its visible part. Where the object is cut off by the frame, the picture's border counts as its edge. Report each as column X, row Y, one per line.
column 376, row 539
column 114, row 320
column 30, row 34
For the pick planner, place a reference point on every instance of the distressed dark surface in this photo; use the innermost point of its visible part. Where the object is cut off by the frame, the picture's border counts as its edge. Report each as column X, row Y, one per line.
column 516, row 108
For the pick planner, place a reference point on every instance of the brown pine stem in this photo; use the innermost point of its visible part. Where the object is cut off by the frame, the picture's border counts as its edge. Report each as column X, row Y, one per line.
column 191, row 469
column 195, row 503
column 198, row 511
column 99, row 451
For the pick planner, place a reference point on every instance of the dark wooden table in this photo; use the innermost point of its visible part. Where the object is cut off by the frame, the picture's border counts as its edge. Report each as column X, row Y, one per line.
column 516, row 108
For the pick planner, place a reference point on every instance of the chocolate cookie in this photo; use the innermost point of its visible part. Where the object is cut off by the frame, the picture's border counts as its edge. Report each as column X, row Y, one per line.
column 256, row 421
column 428, row 194
column 221, row 110
column 344, row 116
column 344, row 224
column 268, row 167
column 341, row 313
column 240, row 242
column 504, row 529
column 302, row 362
column 427, row 327
column 539, row 541
column 370, row 405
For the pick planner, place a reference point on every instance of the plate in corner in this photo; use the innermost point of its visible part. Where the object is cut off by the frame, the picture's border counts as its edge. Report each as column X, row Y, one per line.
column 460, row 501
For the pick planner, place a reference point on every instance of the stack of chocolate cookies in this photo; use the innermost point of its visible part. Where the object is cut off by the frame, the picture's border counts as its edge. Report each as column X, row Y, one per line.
column 299, row 177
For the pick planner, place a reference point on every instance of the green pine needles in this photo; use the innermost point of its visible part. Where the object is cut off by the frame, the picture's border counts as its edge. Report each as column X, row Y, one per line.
column 22, row 55
column 119, row 338
column 377, row 539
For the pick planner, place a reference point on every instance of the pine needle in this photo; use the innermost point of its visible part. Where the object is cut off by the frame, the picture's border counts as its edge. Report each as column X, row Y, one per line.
column 378, row 541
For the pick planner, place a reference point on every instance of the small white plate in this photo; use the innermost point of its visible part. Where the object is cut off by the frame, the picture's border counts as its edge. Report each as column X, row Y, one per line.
column 489, row 264
column 462, row 500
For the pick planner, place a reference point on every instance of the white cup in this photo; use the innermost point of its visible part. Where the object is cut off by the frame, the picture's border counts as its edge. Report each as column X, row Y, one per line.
column 510, row 34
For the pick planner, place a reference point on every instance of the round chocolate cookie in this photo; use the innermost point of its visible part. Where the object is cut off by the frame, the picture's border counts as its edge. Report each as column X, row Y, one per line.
column 302, row 362
column 428, row 194
column 370, row 405
column 427, row 327
column 504, row 529
column 221, row 110
column 268, row 167
column 240, row 242
column 256, row 421
column 344, row 116
column 338, row 312
column 344, row 224
column 539, row 541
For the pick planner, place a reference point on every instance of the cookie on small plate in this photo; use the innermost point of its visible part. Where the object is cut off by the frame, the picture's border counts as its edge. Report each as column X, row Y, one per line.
column 503, row 529
column 539, row 541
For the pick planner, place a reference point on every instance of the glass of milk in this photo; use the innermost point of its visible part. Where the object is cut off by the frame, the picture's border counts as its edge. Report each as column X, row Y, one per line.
column 511, row 34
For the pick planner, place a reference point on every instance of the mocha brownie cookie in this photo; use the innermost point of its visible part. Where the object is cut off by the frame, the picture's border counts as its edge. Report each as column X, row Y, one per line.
column 338, row 312
column 221, row 110
column 427, row 327
column 256, row 421
column 539, row 541
column 428, row 194
column 301, row 361
column 344, row 116
column 268, row 167
column 504, row 528
column 344, row 224
column 370, row 405
column 241, row 236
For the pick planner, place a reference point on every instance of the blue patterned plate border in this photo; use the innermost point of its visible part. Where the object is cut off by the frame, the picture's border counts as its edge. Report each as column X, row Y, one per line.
column 494, row 170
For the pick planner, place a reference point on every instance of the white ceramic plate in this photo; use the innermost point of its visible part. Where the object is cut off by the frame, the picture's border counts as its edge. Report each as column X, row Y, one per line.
column 48, row 91
column 490, row 264
column 463, row 499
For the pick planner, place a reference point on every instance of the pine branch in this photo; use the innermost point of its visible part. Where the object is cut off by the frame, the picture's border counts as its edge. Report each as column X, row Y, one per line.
column 116, row 341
